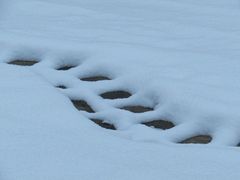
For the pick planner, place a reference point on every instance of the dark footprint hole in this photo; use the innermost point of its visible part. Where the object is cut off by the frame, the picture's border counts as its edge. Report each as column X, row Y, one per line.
column 23, row 62
column 200, row 139
column 115, row 95
column 61, row 87
column 160, row 124
column 103, row 124
column 82, row 106
column 66, row 67
column 95, row 78
column 137, row 109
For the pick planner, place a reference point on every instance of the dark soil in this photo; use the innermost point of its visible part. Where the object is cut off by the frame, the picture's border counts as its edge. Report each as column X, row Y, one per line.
column 82, row 106
column 115, row 95
column 103, row 124
column 160, row 124
column 200, row 139
column 23, row 62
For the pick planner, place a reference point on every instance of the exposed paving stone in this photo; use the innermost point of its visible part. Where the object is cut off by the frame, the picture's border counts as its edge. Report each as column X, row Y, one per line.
column 82, row 106
column 103, row 124
column 23, row 62
column 137, row 109
column 66, row 67
column 115, row 95
column 61, row 87
column 160, row 124
column 200, row 139
column 95, row 78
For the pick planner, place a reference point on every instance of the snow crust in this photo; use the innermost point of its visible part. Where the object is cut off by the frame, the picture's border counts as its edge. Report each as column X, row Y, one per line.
column 182, row 58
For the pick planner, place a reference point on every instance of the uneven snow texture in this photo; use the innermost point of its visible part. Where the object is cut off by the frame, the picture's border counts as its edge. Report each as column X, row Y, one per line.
column 180, row 58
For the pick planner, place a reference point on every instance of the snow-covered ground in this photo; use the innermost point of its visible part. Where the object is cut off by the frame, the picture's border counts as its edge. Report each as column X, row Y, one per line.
column 180, row 58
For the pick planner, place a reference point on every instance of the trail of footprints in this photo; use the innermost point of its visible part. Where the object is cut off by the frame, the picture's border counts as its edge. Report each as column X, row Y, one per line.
column 82, row 105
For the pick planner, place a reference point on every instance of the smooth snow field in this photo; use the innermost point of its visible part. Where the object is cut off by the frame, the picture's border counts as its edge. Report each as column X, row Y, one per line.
column 119, row 90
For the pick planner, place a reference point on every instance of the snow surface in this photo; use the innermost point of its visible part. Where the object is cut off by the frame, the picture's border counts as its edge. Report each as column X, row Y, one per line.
column 181, row 57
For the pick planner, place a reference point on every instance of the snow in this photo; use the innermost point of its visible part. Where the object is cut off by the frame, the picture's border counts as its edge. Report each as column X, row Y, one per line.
column 179, row 57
